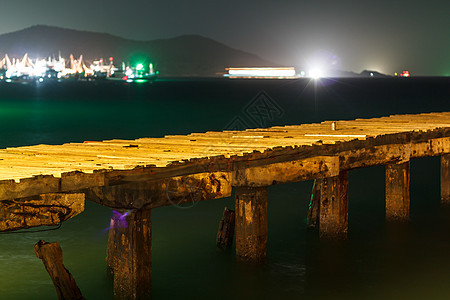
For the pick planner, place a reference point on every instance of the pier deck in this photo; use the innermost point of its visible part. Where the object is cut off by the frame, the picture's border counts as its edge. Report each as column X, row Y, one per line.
column 151, row 172
column 35, row 170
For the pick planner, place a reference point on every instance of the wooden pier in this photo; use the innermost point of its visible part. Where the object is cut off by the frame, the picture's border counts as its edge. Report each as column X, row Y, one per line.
column 47, row 184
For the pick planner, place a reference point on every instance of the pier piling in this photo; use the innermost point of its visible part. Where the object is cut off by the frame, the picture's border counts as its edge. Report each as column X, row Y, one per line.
column 130, row 253
column 445, row 179
column 334, row 206
column 314, row 205
column 225, row 234
column 251, row 224
column 52, row 257
column 397, row 191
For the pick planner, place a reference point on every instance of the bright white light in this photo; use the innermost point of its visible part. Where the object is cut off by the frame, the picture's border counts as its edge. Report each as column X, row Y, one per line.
column 262, row 72
column 315, row 73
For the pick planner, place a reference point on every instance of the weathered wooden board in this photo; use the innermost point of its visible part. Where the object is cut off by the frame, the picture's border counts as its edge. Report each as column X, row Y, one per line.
column 172, row 191
column 130, row 253
column 445, row 179
column 52, row 257
column 45, row 210
column 225, row 234
column 334, row 206
column 251, row 224
column 285, row 172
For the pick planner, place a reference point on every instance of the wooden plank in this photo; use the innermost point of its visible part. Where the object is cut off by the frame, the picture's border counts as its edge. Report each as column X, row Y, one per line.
column 28, row 187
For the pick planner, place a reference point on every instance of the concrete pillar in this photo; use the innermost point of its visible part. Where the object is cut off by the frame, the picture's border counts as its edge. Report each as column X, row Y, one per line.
column 445, row 179
column 251, row 224
column 334, row 206
column 397, row 191
column 130, row 253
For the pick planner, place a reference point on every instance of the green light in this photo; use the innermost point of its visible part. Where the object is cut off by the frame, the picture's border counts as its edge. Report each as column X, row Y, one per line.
column 140, row 80
column 139, row 67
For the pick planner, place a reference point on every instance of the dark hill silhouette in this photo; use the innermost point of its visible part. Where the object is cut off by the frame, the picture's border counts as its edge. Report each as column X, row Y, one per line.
column 371, row 73
column 183, row 55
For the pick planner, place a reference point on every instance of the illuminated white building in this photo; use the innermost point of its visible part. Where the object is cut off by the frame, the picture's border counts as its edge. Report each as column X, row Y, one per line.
column 279, row 73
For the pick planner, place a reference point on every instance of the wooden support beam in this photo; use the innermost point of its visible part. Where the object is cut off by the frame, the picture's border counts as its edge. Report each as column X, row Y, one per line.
column 251, row 224
column 432, row 147
column 130, row 253
column 225, row 234
column 28, row 187
column 314, row 205
column 334, row 206
column 285, row 172
column 43, row 210
column 445, row 179
column 171, row 191
column 52, row 257
column 397, row 191
column 370, row 156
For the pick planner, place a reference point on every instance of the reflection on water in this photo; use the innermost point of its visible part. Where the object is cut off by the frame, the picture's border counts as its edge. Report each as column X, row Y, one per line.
column 394, row 261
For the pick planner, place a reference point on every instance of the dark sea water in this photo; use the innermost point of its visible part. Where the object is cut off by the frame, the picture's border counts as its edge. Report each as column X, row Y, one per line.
column 409, row 261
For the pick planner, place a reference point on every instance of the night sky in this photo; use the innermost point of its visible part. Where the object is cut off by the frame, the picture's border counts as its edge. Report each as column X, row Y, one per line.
column 381, row 35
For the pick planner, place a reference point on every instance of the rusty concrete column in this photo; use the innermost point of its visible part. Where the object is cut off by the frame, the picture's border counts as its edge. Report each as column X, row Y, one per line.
column 251, row 224
column 334, row 206
column 445, row 179
column 130, row 253
column 397, row 191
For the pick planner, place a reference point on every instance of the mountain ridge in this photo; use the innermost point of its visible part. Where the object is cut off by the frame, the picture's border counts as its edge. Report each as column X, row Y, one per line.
column 185, row 55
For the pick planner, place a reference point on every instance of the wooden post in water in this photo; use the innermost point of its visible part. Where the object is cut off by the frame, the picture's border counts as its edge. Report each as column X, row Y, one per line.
column 445, row 179
column 52, row 257
column 314, row 205
column 334, row 206
column 112, row 235
column 225, row 234
column 397, row 191
column 251, row 224
column 130, row 253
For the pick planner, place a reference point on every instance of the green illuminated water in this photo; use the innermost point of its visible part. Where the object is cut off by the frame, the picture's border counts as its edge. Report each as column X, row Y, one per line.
column 399, row 262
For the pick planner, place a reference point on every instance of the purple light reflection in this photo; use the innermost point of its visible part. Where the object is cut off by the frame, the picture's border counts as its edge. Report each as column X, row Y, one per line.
column 118, row 220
